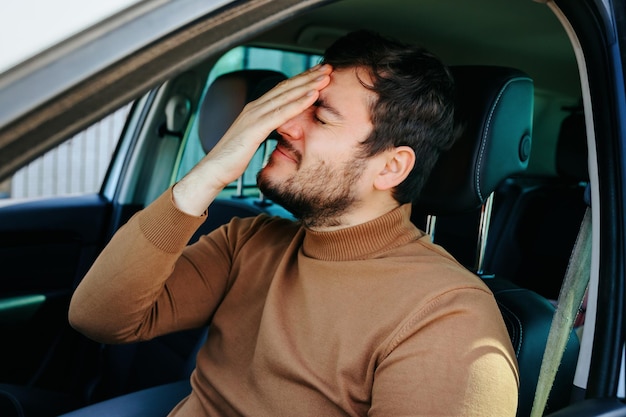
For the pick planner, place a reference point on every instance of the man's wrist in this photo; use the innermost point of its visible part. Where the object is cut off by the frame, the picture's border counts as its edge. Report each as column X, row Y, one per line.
column 191, row 198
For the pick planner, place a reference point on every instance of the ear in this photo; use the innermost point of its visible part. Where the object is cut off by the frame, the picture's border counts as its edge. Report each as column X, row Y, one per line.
column 398, row 164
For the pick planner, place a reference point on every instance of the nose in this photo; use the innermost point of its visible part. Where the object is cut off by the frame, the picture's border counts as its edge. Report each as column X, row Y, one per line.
column 292, row 129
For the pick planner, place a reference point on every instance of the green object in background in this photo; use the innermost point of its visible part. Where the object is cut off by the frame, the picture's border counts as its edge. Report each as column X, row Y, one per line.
column 20, row 309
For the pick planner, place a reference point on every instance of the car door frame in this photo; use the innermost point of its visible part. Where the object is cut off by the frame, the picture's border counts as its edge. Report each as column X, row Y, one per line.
column 593, row 28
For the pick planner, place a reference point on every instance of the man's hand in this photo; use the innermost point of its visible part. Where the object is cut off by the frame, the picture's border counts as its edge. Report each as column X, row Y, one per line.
column 231, row 155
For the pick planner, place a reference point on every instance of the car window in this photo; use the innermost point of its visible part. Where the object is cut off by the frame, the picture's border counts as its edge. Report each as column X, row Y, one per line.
column 76, row 166
column 19, row 20
column 290, row 63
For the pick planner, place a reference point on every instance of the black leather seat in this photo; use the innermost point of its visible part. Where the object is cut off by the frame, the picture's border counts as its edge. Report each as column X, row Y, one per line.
column 538, row 216
column 494, row 109
column 151, row 402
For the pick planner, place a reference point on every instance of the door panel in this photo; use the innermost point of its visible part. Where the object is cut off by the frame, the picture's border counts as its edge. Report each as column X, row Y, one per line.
column 46, row 246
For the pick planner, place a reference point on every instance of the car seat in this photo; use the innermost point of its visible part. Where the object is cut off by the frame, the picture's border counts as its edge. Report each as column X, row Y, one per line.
column 494, row 108
column 538, row 217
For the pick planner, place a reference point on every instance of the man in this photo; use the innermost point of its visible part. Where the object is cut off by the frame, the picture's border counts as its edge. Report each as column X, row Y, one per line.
column 351, row 311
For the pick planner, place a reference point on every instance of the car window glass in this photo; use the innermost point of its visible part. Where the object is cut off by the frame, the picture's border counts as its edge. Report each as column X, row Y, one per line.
column 76, row 166
column 20, row 20
column 290, row 63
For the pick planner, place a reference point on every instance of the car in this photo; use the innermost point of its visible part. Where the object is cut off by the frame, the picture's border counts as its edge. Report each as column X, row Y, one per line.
column 96, row 126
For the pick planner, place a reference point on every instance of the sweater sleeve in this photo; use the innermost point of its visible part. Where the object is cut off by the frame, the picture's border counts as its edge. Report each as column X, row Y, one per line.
column 138, row 284
column 451, row 359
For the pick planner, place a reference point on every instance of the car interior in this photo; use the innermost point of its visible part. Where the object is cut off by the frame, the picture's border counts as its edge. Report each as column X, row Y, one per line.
column 506, row 200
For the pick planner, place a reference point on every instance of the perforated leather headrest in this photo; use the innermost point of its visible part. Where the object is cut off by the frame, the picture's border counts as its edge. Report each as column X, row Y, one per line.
column 226, row 98
column 494, row 109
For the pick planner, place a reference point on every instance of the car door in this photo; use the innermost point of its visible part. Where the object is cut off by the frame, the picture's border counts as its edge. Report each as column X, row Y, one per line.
column 58, row 213
column 598, row 31
column 53, row 222
column 47, row 243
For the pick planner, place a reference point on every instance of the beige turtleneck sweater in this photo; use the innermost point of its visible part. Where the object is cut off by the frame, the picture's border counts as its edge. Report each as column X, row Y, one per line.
column 372, row 320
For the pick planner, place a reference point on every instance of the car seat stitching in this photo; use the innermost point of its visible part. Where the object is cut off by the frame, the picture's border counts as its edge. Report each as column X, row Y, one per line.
column 521, row 329
column 486, row 134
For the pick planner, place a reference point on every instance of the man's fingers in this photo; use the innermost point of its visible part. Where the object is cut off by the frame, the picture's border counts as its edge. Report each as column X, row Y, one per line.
column 282, row 103
column 282, row 110
column 290, row 99
column 298, row 84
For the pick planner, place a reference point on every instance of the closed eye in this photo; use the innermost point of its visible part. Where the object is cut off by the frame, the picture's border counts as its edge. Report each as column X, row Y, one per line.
column 316, row 105
column 328, row 110
column 318, row 120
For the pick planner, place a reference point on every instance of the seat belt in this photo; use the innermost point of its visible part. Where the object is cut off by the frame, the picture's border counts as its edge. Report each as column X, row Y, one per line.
column 569, row 302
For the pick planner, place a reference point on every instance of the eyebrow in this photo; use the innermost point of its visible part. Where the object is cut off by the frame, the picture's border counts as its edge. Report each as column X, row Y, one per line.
column 332, row 110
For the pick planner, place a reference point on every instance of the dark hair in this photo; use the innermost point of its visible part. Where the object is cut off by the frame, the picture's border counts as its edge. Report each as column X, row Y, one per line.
column 415, row 105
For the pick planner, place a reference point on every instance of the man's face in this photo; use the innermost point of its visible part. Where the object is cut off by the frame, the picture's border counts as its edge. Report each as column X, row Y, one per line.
column 316, row 170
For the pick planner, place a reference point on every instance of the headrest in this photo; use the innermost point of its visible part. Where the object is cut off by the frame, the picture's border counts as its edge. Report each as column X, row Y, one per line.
column 493, row 113
column 226, row 98
column 571, row 149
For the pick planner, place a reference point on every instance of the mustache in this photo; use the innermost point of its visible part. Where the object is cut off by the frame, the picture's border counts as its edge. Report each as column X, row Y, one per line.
column 285, row 144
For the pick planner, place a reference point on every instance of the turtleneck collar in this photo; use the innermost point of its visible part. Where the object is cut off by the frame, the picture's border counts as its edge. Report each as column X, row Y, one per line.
column 364, row 240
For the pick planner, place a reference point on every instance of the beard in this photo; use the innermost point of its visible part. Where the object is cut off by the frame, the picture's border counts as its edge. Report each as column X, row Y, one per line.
column 317, row 195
